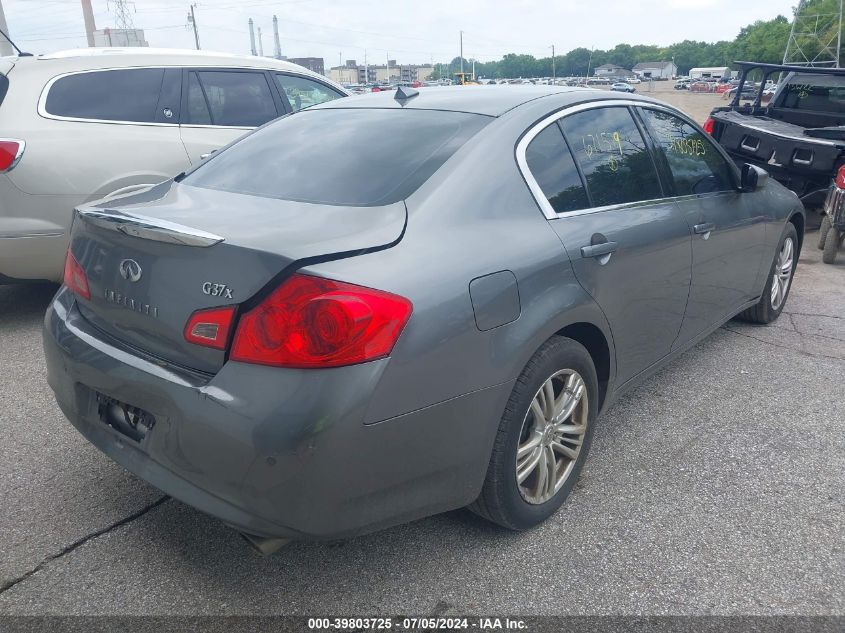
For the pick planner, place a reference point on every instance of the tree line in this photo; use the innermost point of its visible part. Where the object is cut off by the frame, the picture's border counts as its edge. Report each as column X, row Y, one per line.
column 762, row 41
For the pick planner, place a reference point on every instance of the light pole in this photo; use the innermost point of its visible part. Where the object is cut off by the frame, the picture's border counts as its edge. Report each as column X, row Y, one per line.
column 553, row 63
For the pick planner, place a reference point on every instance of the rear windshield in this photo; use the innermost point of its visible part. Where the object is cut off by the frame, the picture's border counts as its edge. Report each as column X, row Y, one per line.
column 4, row 87
column 816, row 93
column 350, row 157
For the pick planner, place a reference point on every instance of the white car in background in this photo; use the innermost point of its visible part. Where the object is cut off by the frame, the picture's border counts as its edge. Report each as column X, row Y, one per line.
column 86, row 124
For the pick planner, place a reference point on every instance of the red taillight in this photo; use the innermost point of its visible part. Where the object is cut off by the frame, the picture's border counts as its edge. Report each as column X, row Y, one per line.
column 314, row 322
column 840, row 178
column 75, row 277
column 709, row 125
column 210, row 328
column 10, row 153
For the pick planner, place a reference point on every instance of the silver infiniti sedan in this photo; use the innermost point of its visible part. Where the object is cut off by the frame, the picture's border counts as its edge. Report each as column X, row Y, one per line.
column 397, row 304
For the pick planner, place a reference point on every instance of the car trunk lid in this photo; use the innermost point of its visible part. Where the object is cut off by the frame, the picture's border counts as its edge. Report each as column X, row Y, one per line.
column 155, row 257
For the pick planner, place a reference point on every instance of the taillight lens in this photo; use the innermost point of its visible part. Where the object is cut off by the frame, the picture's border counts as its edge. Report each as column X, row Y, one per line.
column 10, row 153
column 313, row 322
column 210, row 328
column 709, row 126
column 840, row 178
column 75, row 277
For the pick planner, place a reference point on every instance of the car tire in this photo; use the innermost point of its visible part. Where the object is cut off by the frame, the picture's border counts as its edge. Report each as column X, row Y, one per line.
column 823, row 229
column 560, row 362
column 768, row 308
column 831, row 245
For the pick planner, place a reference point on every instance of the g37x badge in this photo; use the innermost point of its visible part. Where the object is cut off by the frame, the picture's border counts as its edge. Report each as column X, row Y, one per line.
column 217, row 290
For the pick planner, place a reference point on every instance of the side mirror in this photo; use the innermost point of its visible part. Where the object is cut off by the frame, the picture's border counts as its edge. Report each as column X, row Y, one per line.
column 753, row 177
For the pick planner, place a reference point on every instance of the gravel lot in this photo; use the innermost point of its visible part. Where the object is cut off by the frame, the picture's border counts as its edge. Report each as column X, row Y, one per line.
column 717, row 487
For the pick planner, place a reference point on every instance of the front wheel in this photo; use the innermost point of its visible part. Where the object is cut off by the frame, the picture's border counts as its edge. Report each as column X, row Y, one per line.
column 831, row 245
column 823, row 229
column 779, row 282
column 543, row 437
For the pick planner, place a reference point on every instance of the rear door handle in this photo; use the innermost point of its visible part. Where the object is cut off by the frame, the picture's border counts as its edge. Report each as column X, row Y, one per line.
column 598, row 250
column 704, row 229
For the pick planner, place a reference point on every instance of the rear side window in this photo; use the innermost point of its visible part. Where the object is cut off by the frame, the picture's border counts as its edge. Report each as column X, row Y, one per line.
column 238, row 99
column 304, row 93
column 110, row 95
column 350, row 157
column 694, row 163
column 814, row 93
column 612, row 154
column 552, row 166
column 4, row 87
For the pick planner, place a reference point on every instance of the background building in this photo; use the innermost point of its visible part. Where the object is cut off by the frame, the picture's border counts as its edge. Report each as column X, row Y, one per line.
column 314, row 64
column 352, row 73
column 656, row 70
column 714, row 72
column 119, row 37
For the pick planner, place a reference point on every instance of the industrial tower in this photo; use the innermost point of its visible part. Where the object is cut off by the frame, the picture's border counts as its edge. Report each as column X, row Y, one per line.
column 815, row 38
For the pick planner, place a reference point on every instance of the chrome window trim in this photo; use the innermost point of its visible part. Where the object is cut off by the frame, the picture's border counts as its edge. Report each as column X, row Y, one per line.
column 144, row 227
column 18, row 155
column 537, row 192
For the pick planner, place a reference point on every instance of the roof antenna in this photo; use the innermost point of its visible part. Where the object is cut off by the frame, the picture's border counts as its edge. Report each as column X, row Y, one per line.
column 20, row 52
column 403, row 93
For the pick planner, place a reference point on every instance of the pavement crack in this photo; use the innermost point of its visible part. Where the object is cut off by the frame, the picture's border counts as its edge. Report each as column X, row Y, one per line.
column 786, row 347
column 79, row 542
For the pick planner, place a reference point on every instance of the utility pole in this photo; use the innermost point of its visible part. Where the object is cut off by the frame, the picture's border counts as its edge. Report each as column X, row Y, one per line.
column 278, row 52
column 815, row 39
column 553, row 62
column 462, row 52
column 88, row 17
column 252, row 38
column 192, row 20
column 5, row 46
column 590, row 63
column 260, row 44
column 473, row 68
column 366, row 69
column 340, row 66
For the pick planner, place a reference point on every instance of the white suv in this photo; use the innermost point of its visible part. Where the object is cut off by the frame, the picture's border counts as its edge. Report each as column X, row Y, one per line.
column 92, row 123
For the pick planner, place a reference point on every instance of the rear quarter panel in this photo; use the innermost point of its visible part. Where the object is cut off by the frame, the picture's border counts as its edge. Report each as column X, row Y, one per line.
column 475, row 217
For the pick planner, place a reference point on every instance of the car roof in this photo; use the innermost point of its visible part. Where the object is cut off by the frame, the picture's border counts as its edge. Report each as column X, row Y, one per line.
column 488, row 100
column 101, row 58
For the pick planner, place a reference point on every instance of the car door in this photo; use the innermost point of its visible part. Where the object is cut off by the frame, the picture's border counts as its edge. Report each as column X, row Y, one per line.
column 728, row 243
column 629, row 247
column 303, row 92
column 221, row 105
column 103, row 132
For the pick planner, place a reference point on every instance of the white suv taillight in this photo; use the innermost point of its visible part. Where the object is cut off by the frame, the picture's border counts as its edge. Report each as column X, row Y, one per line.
column 11, row 151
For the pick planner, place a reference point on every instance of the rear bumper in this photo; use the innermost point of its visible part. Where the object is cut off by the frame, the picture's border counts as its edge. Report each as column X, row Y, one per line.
column 274, row 452
column 834, row 206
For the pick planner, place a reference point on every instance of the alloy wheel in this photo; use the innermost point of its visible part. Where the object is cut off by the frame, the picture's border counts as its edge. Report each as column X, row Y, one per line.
column 783, row 272
column 553, row 432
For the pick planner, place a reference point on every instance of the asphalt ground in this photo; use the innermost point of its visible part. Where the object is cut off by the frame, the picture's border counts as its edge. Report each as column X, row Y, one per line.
column 716, row 487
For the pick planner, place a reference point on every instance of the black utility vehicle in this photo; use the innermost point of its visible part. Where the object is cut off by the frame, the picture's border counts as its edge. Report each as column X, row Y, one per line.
column 798, row 137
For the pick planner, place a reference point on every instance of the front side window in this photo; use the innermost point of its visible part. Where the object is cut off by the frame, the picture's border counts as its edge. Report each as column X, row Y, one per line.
column 696, row 166
column 552, row 166
column 304, row 93
column 110, row 95
column 616, row 162
column 238, row 99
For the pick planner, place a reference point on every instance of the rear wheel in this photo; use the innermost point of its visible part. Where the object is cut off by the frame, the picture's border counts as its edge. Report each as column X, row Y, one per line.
column 823, row 229
column 779, row 282
column 543, row 439
column 831, row 245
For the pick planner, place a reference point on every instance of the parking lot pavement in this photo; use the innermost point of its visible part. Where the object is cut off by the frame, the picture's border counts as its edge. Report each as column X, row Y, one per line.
column 718, row 486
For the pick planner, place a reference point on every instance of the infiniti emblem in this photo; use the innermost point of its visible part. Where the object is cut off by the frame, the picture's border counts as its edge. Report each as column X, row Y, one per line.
column 130, row 270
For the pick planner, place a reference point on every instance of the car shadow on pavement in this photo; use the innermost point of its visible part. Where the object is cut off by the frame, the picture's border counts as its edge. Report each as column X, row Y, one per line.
column 21, row 303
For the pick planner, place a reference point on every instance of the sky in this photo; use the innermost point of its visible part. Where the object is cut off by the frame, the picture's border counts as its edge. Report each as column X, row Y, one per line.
column 405, row 30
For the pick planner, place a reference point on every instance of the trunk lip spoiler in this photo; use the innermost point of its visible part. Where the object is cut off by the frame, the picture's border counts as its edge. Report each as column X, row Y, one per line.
column 144, row 227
